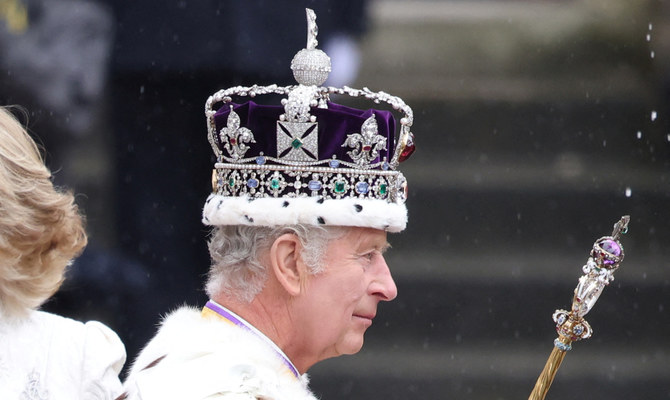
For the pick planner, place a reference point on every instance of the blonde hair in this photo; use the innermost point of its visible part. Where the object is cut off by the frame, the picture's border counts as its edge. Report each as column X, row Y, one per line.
column 41, row 229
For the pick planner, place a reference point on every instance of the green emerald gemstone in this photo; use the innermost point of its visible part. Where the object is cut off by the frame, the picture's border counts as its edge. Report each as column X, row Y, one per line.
column 339, row 187
column 296, row 143
column 231, row 182
column 382, row 188
column 274, row 183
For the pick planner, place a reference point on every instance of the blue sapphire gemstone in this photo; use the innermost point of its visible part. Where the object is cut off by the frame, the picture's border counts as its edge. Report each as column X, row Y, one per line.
column 334, row 163
column 252, row 183
column 260, row 160
column 314, row 185
column 362, row 187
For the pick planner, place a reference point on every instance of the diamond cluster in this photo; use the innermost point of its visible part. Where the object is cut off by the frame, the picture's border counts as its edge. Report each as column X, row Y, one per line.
column 310, row 65
column 605, row 257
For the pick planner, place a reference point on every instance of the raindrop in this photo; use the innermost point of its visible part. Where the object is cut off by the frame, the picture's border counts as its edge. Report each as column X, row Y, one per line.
column 668, row 137
column 653, row 115
column 629, row 192
column 639, row 134
column 648, row 37
column 650, row 26
column 604, row 142
column 652, row 54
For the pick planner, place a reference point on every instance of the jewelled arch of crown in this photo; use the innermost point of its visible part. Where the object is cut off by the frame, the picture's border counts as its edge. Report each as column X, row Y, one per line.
column 297, row 170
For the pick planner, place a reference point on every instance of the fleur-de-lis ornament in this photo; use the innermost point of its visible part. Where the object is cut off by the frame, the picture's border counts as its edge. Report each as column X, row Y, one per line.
column 366, row 145
column 234, row 137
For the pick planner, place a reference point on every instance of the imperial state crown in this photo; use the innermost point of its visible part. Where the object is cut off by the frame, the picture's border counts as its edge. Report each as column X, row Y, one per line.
column 309, row 160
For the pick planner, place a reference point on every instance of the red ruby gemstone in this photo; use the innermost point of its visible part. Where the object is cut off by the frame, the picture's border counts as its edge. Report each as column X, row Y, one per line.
column 367, row 147
column 408, row 150
column 233, row 141
column 406, row 153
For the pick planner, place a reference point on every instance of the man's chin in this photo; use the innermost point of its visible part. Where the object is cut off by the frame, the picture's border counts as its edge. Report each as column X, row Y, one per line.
column 353, row 347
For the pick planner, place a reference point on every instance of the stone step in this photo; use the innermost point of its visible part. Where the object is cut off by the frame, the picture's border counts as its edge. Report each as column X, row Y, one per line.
column 520, row 361
column 565, row 172
column 503, row 49
column 408, row 371
column 497, row 220
column 518, row 266
column 618, row 129
column 452, row 311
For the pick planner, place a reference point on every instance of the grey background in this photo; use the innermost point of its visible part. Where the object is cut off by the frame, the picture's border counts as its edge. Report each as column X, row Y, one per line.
column 527, row 116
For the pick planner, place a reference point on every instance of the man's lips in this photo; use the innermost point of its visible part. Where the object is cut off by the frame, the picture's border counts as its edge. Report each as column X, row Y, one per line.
column 365, row 316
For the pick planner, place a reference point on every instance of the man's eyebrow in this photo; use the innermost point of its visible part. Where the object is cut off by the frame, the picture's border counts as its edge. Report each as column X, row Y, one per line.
column 376, row 247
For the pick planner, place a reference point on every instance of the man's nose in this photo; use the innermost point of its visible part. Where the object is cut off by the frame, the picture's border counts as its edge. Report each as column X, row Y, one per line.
column 383, row 285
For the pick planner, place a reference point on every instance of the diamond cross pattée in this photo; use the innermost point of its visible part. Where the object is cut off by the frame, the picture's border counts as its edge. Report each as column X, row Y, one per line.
column 297, row 141
column 234, row 137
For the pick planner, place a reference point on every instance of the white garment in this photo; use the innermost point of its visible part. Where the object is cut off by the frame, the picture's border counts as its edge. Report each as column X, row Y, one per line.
column 46, row 356
column 207, row 358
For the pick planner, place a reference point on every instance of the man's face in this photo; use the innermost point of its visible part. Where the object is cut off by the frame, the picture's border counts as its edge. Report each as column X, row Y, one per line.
column 340, row 302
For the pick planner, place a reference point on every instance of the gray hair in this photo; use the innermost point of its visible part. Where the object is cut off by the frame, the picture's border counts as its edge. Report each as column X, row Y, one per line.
column 236, row 269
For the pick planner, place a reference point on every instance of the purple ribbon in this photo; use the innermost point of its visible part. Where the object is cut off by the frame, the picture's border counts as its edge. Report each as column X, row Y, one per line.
column 242, row 324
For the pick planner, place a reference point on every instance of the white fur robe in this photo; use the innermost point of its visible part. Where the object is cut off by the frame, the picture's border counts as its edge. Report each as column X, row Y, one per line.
column 210, row 359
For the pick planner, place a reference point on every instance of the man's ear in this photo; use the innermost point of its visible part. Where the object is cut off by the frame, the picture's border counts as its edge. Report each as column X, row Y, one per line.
column 287, row 264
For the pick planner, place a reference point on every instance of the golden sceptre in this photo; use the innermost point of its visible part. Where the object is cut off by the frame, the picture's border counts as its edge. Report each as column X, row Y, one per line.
column 606, row 255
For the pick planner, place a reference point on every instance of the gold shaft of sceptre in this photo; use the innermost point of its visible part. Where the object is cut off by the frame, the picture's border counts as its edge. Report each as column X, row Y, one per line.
column 606, row 255
column 548, row 373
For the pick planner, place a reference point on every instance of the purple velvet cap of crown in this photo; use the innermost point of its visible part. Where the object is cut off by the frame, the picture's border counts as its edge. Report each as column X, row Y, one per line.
column 335, row 123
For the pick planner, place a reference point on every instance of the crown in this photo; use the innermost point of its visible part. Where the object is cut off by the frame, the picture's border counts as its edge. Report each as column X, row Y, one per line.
column 308, row 160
